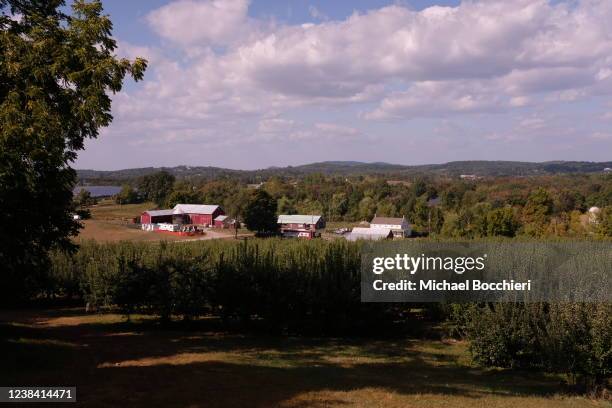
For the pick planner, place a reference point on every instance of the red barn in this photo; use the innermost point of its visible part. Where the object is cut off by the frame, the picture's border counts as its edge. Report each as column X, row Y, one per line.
column 155, row 216
column 199, row 214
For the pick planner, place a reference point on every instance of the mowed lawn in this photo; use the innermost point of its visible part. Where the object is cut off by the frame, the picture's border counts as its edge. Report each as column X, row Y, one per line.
column 112, row 222
column 114, row 363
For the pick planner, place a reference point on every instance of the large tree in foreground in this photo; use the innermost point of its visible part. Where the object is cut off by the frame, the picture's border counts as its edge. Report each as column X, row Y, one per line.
column 57, row 72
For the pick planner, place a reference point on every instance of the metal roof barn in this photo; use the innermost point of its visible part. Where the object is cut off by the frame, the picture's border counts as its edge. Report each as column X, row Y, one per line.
column 200, row 214
column 298, row 219
column 372, row 234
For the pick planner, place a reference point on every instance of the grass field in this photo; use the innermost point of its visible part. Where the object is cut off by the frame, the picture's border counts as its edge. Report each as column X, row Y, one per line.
column 112, row 222
column 114, row 363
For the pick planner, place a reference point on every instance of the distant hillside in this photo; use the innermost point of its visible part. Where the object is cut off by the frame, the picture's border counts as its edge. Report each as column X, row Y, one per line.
column 346, row 168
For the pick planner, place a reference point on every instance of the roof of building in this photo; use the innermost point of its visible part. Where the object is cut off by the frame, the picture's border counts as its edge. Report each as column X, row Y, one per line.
column 221, row 218
column 368, row 233
column 298, row 219
column 387, row 220
column 158, row 213
column 194, row 209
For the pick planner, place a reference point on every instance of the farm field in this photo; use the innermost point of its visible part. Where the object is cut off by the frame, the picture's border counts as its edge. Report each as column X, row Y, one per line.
column 112, row 222
column 115, row 363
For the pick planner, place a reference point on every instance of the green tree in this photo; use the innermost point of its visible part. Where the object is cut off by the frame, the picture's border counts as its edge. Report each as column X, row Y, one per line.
column 605, row 222
column 310, row 207
column 537, row 211
column 84, row 199
column 183, row 196
column 501, row 221
column 127, row 195
column 386, row 209
column 57, row 72
column 157, row 187
column 260, row 212
column 367, row 208
column 81, row 203
column 339, row 206
column 235, row 205
column 285, row 206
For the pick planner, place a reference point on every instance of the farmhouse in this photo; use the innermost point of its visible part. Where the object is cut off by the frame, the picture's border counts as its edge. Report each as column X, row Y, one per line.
column 400, row 227
column 197, row 214
column 305, row 226
column 156, row 216
column 370, row 234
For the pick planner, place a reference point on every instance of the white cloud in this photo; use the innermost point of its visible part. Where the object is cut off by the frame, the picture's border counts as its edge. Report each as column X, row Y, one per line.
column 236, row 76
column 441, row 98
column 208, row 22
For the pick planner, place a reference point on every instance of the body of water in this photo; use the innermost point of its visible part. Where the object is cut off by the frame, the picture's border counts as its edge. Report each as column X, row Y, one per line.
column 98, row 191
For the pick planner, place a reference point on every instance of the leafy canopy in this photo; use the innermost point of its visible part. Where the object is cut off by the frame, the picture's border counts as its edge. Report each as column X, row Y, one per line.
column 57, row 74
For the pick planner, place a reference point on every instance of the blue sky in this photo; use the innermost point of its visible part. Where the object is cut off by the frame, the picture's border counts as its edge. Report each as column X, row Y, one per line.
column 242, row 84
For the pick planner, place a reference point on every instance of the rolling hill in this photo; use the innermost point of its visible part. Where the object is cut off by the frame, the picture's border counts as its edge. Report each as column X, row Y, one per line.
column 348, row 168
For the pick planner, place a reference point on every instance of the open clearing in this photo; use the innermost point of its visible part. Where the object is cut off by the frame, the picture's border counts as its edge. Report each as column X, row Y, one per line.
column 114, row 363
column 112, row 222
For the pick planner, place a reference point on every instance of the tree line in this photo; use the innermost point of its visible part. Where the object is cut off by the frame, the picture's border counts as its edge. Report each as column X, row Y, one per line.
column 438, row 206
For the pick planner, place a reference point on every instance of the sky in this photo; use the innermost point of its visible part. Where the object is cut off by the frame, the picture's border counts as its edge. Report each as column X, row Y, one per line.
column 251, row 84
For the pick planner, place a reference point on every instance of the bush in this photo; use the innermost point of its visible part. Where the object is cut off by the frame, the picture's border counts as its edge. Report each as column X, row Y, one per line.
column 570, row 338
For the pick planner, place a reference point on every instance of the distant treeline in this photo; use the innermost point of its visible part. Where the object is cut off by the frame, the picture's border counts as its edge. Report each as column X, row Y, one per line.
column 439, row 206
column 350, row 168
column 313, row 287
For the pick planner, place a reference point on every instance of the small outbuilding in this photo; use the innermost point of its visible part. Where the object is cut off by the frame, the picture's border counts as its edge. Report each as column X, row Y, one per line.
column 156, row 216
column 223, row 221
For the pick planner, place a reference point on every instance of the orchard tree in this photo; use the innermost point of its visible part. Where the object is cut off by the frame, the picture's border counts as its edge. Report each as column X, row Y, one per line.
column 57, row 74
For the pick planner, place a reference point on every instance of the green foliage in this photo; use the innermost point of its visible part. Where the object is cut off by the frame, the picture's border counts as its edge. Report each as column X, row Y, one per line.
column 127, row 195
column 537, row 211
column 367, row 208
column 502, row 222
column 605, row 222
column 260, row 212
column 294, row 286
column 540, row 206
column 570, row 338
column 186, row 196
column 56, row 76
column 156, row 187
column 84, row 199
column 285, row 206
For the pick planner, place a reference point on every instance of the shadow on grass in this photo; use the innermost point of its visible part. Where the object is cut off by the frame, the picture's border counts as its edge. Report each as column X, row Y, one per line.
column 116, row 364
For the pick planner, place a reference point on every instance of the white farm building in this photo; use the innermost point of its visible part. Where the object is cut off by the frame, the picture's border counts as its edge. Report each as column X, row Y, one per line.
column 400, row 227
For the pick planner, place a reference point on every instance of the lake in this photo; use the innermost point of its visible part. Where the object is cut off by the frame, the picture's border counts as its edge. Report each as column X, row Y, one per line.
column 98, row 191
